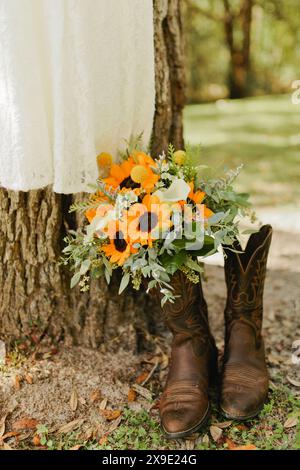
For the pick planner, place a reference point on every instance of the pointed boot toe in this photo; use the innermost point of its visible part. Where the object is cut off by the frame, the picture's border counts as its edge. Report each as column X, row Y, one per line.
column 239, row 404
column 183, row 411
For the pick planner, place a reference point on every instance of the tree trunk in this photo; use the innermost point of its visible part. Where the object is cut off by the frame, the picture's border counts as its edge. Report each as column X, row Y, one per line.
column 35, row 298
column 239, row 71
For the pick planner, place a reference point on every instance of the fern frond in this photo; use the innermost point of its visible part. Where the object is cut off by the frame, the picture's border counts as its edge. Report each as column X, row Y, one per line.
column 82, row 206
column 108, row 191
column 171, row 151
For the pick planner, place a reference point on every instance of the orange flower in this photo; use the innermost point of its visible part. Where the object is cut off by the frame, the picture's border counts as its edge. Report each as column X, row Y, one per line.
column 101, row 211
column 119, row 248
column 90, row 214
column 204, row 211
column 120, row 175
column 142, row 172
column 94, row 198
column 147, row 220
column 195, row 196
column 135, row 172
column 207, row 212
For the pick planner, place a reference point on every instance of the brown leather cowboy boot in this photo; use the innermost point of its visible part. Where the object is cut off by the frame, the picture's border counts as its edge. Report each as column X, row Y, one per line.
column 184, row 404
column 244, row 376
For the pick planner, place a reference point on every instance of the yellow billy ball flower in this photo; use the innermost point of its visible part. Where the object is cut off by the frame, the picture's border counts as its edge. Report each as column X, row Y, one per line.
column 179, row 157
column 104, row 160
column 139, row 173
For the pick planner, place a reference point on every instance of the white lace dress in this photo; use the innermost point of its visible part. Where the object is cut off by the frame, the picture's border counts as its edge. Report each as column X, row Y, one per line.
column 76, row 78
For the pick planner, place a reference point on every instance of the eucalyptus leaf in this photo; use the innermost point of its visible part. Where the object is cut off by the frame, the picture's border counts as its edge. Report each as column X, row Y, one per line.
column 107, row 275
column 85, row 265
column 124, row 282
column 75, row 279
column 214, row 219
column 250, row 231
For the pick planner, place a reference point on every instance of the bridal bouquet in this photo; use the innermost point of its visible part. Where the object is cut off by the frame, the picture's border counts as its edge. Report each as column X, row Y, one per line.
column 150, row 217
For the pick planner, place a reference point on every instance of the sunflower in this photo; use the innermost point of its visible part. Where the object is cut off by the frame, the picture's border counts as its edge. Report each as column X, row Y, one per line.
column 119, row 248
column 119, row 175
column 147, row 219
column 135, row 172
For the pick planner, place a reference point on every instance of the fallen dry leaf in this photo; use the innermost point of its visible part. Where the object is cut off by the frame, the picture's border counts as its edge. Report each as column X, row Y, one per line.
column 115, row 424
column 26, row 423
column 275, row 360
column 24, row 436
column 223, row 425
column 2, row 425
column 294, row 382
column 29, row 379
column 76, row 447
column 17, row 382
column 149, row 375
column 74, row 400
column 36, row 441
column 144, row 392
column 190, row 444
column 230, row 444
column 291, row 422
column 141, row 378
column 245, row 447
column 155, row 405
column 103, row 440
column 68, row 427
column 241, row 427
column 7, row 435
column 215, row 432
column 2, row 352
column 205, row 440
column 110, row 415
column 88, row 434
column 164, row 361
column 95, row 396
column 131, row 395
column 103, row 404
column 5, row 446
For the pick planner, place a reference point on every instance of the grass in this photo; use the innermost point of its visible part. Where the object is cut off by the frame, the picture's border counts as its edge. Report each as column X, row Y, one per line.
column 263, row 133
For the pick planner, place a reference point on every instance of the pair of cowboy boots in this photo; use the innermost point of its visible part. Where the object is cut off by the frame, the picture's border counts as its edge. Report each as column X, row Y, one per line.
column 184, row 405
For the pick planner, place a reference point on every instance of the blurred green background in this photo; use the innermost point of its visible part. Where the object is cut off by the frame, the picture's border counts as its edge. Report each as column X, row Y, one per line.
column 242, row 57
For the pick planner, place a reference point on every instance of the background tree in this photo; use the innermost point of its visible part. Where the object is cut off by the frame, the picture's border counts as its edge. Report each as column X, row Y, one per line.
column 236, row 18
column 238, row 48
column 36, row 300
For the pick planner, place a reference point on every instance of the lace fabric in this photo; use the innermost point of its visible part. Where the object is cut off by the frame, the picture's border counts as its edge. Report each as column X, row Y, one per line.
column 76, row 78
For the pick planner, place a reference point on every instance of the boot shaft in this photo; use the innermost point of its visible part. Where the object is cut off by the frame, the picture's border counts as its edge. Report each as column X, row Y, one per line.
column 187, row 316
column 245, row 277
column 188, row 313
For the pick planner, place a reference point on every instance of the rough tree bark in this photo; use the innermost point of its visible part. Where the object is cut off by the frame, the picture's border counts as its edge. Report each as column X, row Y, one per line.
column 35, row 298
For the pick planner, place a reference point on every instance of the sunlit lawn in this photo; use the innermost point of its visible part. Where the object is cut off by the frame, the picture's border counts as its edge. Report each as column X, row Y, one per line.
column 263, row 133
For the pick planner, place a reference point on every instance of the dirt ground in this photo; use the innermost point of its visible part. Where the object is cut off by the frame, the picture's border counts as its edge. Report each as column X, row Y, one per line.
column 57, row 387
